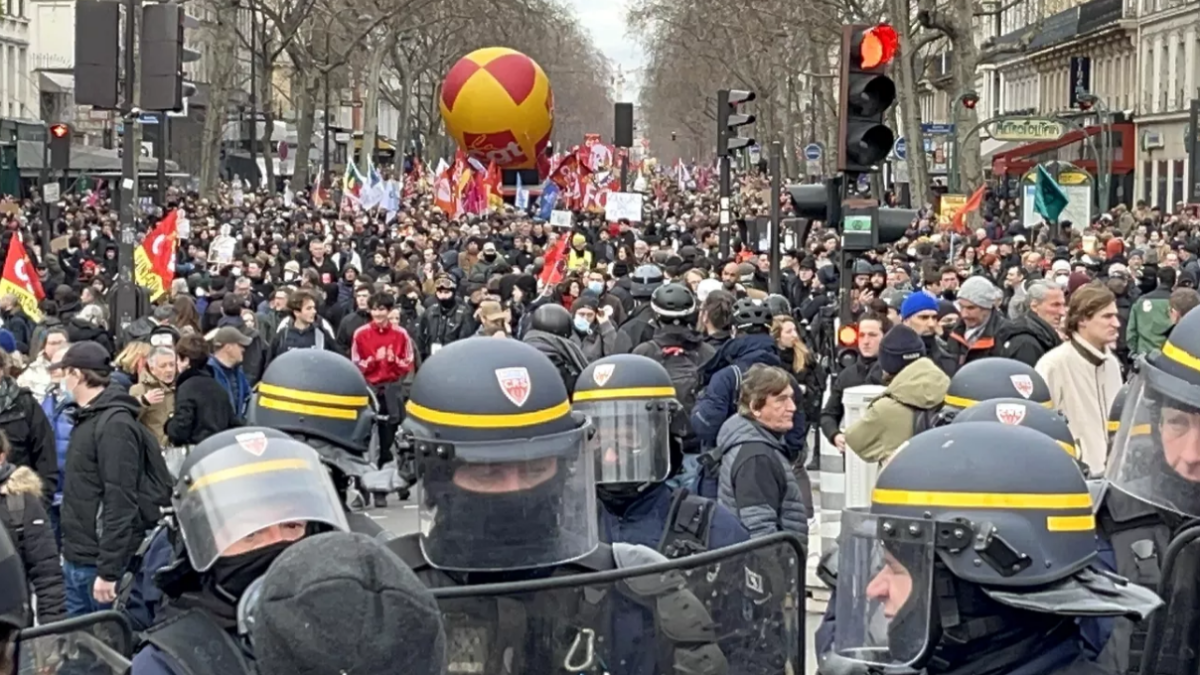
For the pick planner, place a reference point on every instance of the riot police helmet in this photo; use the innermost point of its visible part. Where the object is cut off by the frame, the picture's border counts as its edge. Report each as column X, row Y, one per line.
column 629, row 400
column 969, row 522
column 1023, row 413
column 552, row 318
column 778, row 305
column 644, row 279
column 320, row 397
column 990, row 378
column 751, row 315
column 251, row 482
column 1155, row 454
column 507, row 475
column 1114, row 413
column 674, row 304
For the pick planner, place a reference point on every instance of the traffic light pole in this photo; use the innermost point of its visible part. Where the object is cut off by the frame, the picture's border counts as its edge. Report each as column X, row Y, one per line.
column 124, row 297
column 724, row 195
column 775, row 164
column 160, row 155
column 43, row 180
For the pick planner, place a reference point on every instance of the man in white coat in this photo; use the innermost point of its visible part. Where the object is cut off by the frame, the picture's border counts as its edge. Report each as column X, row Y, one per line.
column 1083, row 373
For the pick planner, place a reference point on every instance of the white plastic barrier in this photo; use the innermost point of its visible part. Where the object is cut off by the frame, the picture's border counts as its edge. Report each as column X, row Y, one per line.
column 846, row 480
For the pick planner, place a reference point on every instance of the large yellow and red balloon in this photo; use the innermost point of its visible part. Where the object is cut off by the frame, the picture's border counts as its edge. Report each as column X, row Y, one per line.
column 497, row 103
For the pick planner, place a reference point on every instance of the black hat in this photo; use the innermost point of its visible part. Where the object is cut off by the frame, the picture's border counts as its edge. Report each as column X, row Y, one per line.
column 900, row 347
column 86, row 355
column 343, row 603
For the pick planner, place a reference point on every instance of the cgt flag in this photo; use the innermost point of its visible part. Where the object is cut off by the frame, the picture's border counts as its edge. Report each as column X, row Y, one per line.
column 154, row 260
column 19, row 280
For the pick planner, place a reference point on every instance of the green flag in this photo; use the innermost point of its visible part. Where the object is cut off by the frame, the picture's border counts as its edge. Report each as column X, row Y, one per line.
column 1049, row 200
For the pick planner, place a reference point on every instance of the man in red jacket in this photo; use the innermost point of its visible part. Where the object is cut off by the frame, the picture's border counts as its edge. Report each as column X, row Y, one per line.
column 384, row 354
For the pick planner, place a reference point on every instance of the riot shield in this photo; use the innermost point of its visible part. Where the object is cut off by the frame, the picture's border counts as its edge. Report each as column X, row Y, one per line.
column 733, row 611
column 96, row 644
column 1174, row 633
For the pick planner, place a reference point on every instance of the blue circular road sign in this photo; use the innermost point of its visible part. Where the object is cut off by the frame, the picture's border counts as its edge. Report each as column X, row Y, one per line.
column 812, row 152
column 901, row 148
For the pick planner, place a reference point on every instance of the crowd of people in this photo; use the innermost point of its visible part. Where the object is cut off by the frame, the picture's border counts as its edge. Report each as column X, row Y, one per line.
column 356, row 337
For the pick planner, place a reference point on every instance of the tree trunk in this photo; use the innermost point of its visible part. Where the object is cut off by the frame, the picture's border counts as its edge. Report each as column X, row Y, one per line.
column 910, row 109
column 405, row 107
column 305, row 112
column 224, row 41
column 371, row 105
column 964, row 64
column 265, row 103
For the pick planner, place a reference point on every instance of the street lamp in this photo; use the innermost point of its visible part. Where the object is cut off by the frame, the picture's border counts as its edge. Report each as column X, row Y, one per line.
column 1087, row 101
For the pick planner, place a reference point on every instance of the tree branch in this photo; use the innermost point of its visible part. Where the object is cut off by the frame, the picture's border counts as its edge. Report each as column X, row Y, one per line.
column 979, row 11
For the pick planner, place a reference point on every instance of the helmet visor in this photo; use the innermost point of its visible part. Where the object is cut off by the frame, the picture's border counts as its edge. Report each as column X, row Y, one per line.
column 1156, row 452
column 232, row 494
column 885, row 577
column 508, row 505
column 631, row 441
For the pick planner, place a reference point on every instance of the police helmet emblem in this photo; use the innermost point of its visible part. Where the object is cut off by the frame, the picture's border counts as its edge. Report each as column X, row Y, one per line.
column 254, row 442
column 603, row 373
column 1023, row 384
column 515, row 384
column 1010, row 413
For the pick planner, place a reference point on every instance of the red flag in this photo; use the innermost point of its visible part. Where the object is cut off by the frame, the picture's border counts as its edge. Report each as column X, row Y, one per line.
column 160, row 247
column 554, row 266
column 959, row 222
column 20, row 280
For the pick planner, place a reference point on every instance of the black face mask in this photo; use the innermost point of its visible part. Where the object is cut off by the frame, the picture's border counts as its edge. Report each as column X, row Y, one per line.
column 446, row 302
column 407, row 302
column 489, row 255
column 232, row 575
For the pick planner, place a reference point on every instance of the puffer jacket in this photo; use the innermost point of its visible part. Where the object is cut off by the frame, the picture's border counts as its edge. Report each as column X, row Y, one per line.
column 61, row 414
column 888, row 421
column 756, row 480
column 21, row 489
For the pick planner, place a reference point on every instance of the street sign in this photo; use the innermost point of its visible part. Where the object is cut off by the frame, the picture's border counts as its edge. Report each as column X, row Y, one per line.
column 812, row 152
column 50, row 192
column 1028, row 129
column 937, row 129
column 901, row 148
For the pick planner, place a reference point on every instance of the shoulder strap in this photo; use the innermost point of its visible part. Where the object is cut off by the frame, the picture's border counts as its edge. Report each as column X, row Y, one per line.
column 688, row 525
column 198, row 645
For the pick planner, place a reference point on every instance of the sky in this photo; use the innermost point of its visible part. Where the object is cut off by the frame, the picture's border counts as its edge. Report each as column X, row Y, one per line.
column 606, row 22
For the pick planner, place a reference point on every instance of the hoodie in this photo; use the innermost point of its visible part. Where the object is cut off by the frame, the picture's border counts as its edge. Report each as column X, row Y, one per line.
column 888, row 422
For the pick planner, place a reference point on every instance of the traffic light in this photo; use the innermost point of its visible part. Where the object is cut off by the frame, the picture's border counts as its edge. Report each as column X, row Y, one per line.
column 864, row 139
column 729, row 119
column 863, row 225
column 162, row 57
column 60, row 146
column 969, row 100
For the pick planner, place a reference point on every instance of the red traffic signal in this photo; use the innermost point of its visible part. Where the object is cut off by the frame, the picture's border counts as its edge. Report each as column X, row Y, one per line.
column 59, row 130
column 877, row 46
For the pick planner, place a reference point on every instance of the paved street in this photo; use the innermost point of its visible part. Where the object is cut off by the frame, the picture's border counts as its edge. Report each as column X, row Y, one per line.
column 401, row 518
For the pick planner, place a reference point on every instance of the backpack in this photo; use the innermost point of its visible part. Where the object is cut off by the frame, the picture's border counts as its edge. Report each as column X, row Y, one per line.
column 924, row 419
column 154, row 482
column 684, row 368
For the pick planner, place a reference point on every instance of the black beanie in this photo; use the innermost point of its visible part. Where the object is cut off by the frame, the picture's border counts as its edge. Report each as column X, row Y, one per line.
column 900, row 347
column 343, row 603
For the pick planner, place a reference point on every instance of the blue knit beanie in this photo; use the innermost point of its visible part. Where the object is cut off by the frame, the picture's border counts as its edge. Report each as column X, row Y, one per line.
column 916, row 303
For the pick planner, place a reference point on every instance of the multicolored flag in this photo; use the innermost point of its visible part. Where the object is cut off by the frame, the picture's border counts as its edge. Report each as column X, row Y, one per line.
column 154, row 260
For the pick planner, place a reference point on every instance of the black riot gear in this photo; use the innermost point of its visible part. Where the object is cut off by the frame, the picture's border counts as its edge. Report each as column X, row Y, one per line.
column 674, row 304
column 486, row 410
column 315, row 393
column 644, row 279
column 990, row 378
column 552, row 318
column 978, row 547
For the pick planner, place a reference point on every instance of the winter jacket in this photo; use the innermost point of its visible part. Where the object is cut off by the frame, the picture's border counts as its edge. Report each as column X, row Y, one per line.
column 79, row 330
column 22, row 514
column 36, row 377
column 1027, row 339
column 350, row 323
column 61, row 414
column 312, row 336
column 441, row 325
column 1148, row 322
column 604, row 340
column 983, row 345
column 643, row 521
column 154, row 416
column 862, row 371
column 1083, row 384
column 17, row 323
column 114, row 486
column 202, row 407
column 383, row 355
column 718, row 402
column 28, row 430
column 756, row 480
column 639, row 326
column 888, row 421
column 254, row 357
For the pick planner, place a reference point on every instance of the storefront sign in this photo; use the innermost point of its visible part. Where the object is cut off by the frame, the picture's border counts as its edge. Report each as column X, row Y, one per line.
column 1028, row 129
